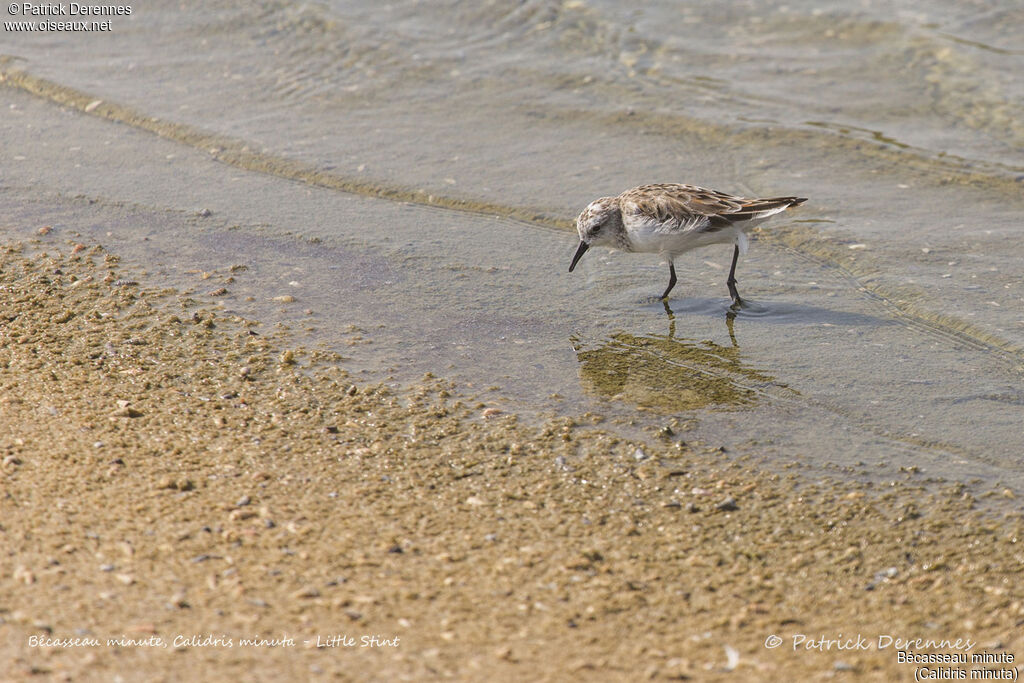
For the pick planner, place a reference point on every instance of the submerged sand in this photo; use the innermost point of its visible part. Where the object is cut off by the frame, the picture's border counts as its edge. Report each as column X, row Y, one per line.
column 181, row 479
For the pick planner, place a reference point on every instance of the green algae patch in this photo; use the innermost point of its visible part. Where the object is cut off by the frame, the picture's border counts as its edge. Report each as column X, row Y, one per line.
column 669, row 374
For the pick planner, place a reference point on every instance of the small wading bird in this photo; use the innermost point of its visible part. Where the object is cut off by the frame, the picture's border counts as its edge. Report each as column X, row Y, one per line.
column 672, row 219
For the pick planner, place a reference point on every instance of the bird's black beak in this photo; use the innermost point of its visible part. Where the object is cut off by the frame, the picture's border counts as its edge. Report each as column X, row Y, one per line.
column 579, row 254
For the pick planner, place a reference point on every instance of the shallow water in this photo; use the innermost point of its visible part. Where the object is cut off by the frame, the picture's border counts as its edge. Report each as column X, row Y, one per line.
column 884, row 326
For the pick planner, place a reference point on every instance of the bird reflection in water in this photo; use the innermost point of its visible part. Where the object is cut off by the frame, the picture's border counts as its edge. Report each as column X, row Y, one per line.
column 666, row 373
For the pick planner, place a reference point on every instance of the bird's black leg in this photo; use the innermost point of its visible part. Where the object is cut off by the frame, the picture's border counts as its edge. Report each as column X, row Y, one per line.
column 671, row 280
column 732, row 276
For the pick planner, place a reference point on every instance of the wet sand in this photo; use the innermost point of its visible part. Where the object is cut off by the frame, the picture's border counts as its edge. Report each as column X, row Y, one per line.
column 185, row 478
column 836, row 367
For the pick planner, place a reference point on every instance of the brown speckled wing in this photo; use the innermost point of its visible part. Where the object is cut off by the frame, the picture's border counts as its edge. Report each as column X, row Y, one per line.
column 675, row 202
column 678, row 203
column 753, row 208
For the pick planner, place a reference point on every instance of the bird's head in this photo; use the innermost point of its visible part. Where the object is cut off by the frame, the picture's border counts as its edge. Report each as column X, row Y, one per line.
column 596, row 225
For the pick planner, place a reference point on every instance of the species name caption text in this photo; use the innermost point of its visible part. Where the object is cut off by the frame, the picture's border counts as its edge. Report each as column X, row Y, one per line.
column 339, row 640
column 88, row 14
column 933, row 659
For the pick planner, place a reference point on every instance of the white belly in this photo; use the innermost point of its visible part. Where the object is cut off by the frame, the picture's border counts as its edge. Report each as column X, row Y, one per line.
column 670, row 240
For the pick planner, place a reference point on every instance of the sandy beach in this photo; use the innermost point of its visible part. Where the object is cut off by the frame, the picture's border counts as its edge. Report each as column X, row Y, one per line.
column 183, row 480
column 296, row 383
